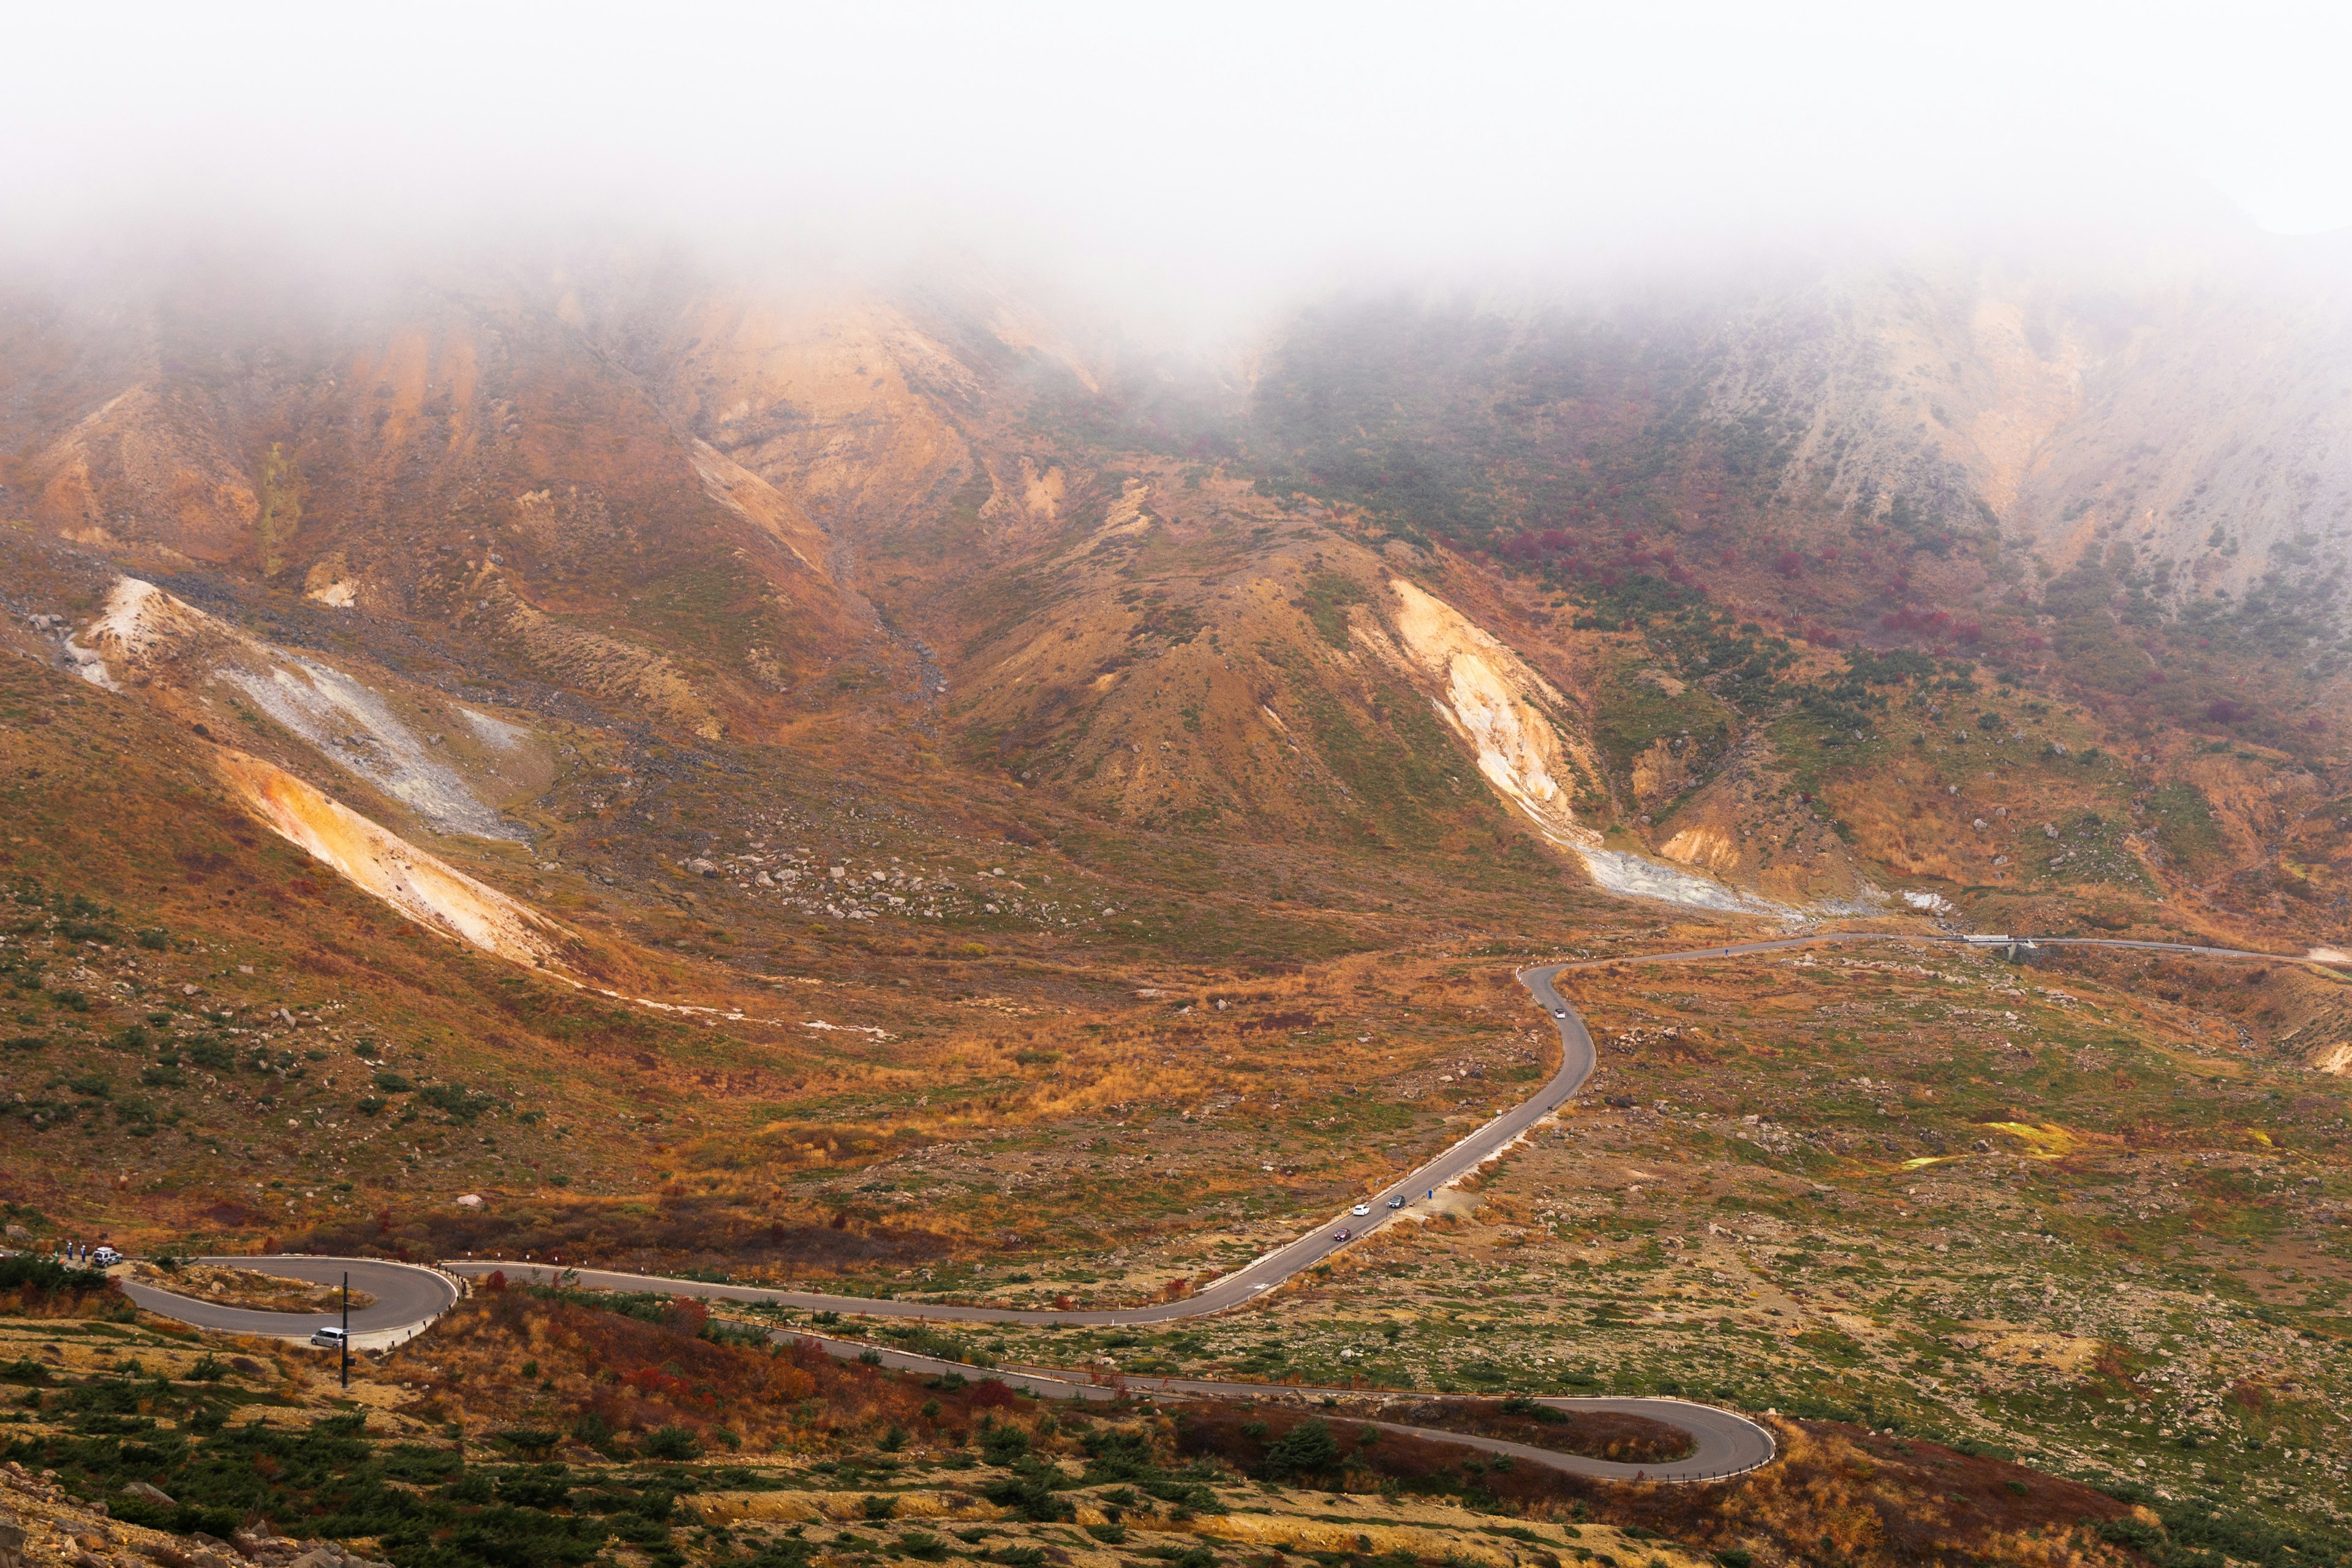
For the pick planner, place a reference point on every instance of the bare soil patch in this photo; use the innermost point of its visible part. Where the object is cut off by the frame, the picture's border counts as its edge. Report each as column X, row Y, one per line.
column 1596, row 1435
column 244, row 1288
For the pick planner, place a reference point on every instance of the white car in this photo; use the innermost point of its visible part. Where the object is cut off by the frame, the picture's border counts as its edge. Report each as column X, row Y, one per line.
column 105, row 1256
column 1560, row 1012
column 330, row 1338
column 1360, row 1210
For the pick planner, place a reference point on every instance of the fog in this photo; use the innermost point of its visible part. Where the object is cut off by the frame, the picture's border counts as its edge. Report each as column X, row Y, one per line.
column 1182, row 160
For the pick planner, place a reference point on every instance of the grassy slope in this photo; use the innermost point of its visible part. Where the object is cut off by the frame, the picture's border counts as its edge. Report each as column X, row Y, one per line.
column 539, row 1431
column 1007, row 1119
column 2052, row 1212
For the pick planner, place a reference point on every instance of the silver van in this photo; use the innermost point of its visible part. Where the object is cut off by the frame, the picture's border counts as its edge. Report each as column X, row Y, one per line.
column 330, row 1338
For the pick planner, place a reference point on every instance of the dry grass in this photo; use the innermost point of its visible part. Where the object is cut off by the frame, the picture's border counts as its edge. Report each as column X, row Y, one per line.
column 1602, row 1435
column 1833, row 1495
column 243, row 1287
column 509, row 1358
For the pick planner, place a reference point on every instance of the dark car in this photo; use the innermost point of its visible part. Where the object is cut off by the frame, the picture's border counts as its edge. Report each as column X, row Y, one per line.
column 1343, row 1235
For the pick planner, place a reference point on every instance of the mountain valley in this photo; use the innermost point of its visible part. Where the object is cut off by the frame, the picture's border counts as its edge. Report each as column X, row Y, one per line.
column 622, row 764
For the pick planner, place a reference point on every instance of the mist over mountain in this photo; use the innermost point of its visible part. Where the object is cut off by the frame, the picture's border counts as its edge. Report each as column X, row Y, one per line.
column 971, row 664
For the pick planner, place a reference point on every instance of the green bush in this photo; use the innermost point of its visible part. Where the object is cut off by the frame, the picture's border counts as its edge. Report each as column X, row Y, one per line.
column 452, row 1099
column 329, row 1481
column 669, row 1443
column 49, row 1277
column 1306, row 1449
column 1519, row 1405
column 1118, row 1456
column 536, row 1486
column 1030, row 1497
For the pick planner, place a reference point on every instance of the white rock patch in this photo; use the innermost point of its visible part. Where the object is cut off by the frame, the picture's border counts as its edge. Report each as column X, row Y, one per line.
column 1500, row 707
column 418, row 886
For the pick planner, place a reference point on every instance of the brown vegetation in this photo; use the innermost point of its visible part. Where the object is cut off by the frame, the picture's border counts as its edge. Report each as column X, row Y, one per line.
column 1597, row 1434
column 1835, row 1493
column 683, row 1232
column 243, row 1287
column 512, row 1359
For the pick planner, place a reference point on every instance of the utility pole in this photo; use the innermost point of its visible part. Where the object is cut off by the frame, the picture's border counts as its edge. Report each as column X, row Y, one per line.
column 347, row 1328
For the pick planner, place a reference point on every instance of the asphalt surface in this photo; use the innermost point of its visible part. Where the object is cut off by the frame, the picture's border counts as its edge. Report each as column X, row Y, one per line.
column 1282, row 1264
column 407, row 1298
column 1723, row 1444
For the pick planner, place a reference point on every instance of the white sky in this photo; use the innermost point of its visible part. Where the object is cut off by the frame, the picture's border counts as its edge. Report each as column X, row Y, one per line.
column 1184, row 147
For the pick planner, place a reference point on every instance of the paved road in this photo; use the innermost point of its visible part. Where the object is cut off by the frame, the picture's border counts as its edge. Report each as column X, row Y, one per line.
column 1271, row 1269
column 1233, row 1290
column 407, row 1298
column 1723, row 1444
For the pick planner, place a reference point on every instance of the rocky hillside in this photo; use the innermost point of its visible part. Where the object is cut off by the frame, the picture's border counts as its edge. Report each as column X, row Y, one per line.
column 1591, row 576
column 557, row 665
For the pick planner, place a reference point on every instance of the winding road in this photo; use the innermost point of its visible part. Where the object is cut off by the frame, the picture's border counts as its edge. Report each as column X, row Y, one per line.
column 408, row 1297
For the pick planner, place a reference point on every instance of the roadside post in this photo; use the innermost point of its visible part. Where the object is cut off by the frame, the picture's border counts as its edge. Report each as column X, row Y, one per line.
column 347, row 1328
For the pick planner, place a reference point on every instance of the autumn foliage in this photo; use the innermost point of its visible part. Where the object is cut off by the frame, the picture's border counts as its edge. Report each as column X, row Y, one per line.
column 509, row 1358
column 1835, row 1494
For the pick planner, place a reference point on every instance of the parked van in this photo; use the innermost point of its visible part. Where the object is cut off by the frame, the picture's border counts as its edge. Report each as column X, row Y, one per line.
column 330, row 1338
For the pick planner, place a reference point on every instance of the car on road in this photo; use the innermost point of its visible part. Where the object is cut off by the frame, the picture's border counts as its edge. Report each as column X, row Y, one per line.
column 328, row 1337
column 105, row 1256
column 1360, row 1210
column 1396, row 1202
column 1560, row 1012
column 1343, row 1235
